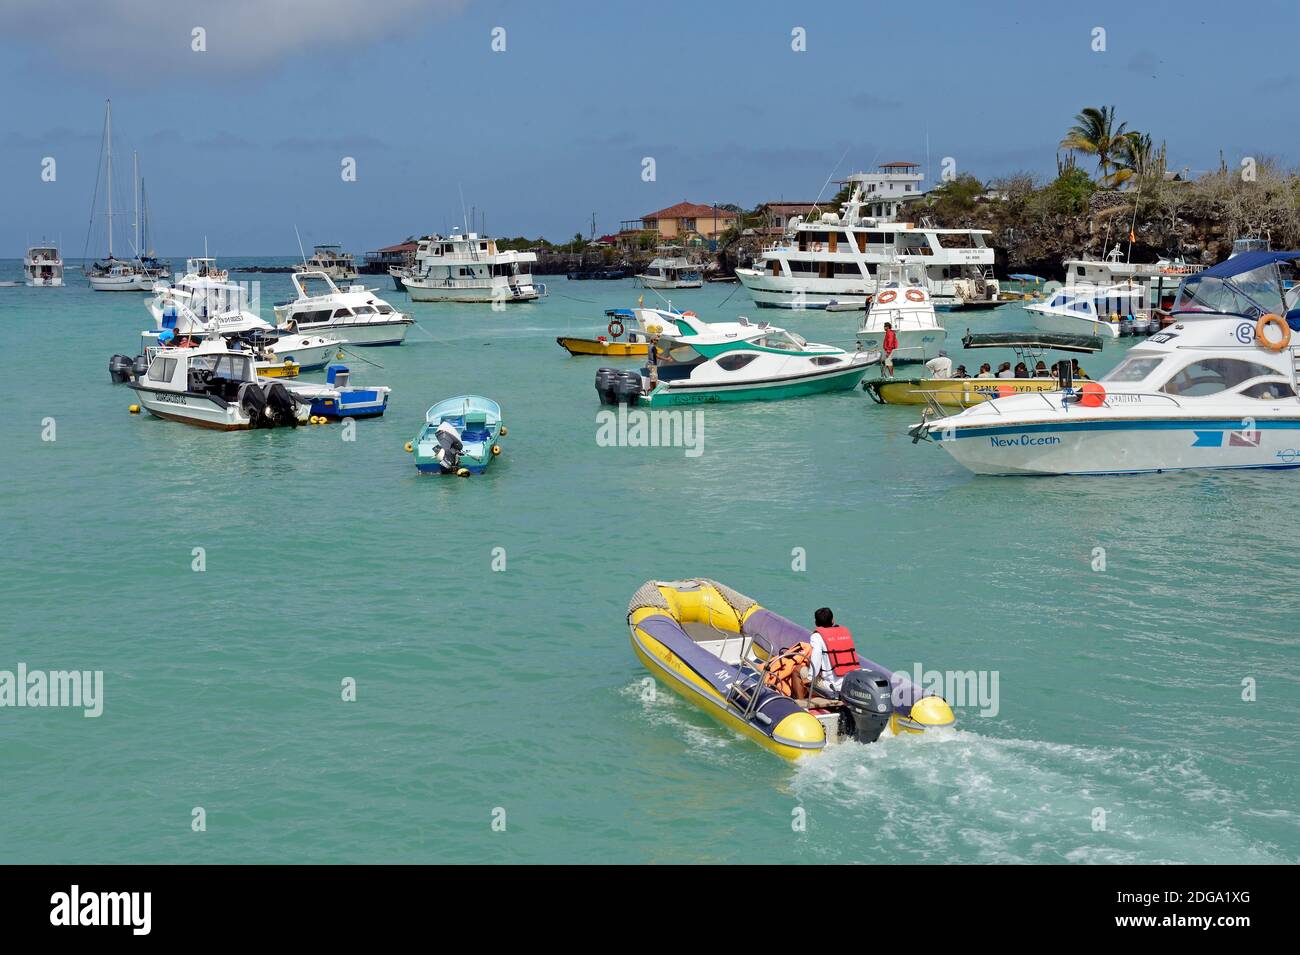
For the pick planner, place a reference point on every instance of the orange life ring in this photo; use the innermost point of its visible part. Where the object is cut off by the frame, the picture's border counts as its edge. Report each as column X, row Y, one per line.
column 613, row 325
column 688, row 315
column 887, row 296
column 915, row 295
column 1262, row 339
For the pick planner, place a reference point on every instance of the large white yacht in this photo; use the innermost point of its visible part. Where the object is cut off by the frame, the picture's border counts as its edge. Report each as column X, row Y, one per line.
column 354, row 313
column 467, row 267
column 834, row 257
column 42, row 266
column 333, row 261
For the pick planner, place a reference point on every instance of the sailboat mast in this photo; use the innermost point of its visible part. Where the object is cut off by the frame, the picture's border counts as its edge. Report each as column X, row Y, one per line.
column 135, row 182
column 108, row 131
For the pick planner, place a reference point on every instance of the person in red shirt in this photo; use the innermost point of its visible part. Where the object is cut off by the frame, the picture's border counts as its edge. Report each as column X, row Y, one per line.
column 891, row 346
column 833, row 651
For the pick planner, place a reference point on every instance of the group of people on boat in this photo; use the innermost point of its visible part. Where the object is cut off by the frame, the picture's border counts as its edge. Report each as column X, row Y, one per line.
column 938, row 369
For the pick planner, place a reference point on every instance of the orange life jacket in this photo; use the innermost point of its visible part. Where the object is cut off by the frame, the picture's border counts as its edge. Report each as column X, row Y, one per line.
column 839, row 647
column 783, row 673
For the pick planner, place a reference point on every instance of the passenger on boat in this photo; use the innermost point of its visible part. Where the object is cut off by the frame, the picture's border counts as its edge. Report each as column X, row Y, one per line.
column 1078, row 372
column 1022, row 371
column 891, row 346
column 961, row 372
column 940, row 366
column 986, row 371
column 1041, row 370
column 833, row 653
column 1004, row 370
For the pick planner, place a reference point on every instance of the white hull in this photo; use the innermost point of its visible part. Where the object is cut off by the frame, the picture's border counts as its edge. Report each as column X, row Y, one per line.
column 1125, row 447
column 311, row 353
column 777, row 291
column 651, row 282
column 914, row 344
column 121, row 283
column 44, row 283
column 420, row 292
column 1056, row 324
column 192, row 409
column 364, row 333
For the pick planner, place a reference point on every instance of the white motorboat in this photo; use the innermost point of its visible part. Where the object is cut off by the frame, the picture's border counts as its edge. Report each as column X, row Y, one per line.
column 1159, row 280
column 671, row 269
column 212, row 385
column 1088, row 310
column 354, row 313
column 709, row 362
column 466, row 267
column 333, row 261
column 42, row 266
column 905, row 304
column 836, row 257
column 1218, row 389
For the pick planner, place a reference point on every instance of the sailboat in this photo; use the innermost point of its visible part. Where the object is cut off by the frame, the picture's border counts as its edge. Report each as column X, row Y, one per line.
column 114, row 274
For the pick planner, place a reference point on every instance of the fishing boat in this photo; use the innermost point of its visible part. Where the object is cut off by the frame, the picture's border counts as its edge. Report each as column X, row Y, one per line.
column 905, row 304
column 42, row 266
column 467, row 267
column 1217, row 389
column 836, row 256
column 964, row 392
column 1087, row 310
column 354, row 314
column 333, row 261
column 639, row 324
column 214, row 386
column 671, row 269
column 338, row 398
column 718, row 648
column 459, row 437
column 740, row 361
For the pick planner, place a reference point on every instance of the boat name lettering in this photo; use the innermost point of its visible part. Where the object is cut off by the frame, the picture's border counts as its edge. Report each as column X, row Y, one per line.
column 1024, row 441
column 169, row 399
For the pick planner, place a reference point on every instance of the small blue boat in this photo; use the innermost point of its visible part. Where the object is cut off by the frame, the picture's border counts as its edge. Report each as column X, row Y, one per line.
column 459, row 436
column 341, row 399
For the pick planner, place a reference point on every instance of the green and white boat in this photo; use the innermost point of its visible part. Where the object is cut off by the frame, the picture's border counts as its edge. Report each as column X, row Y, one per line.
column 743, row 361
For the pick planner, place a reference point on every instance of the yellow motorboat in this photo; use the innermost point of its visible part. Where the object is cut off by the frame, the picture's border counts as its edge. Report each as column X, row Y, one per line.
column 277, row 369
column 719, row 649
column 632, row 348
column 952, row 392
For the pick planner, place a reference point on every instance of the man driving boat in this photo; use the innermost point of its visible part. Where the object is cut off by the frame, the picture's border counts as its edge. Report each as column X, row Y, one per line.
column 833, row 651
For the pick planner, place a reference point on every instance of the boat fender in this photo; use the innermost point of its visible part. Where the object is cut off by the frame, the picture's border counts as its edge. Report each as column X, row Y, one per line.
column 134, row 409
column 462, row 472
column 1263, row 340
column 409, row 447
column 868, row 704
column 504, row 431
column 496, row 449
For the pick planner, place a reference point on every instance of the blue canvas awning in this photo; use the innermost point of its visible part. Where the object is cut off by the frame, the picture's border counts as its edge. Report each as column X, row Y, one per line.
column 1245, row 262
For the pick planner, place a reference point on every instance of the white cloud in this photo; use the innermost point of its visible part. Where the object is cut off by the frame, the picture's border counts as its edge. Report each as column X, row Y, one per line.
column 143, row 38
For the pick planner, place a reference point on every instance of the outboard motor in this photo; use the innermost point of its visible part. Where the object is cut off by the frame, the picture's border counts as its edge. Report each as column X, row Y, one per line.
column 120, row 369
column 867, row 700
column 605, row 378
column 253, row 400
column 450, row 446
column 627, row 390
column 280, row 405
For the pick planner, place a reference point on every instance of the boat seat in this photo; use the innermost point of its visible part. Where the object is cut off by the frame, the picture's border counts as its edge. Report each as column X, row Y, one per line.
column 703, row 632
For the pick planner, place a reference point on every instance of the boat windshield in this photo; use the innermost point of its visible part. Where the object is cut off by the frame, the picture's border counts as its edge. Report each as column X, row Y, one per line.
column 782, row 341
column 1132, row 369
column 1251, row 294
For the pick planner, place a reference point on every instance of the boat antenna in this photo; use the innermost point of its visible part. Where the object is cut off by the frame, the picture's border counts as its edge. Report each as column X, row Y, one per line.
column 831, row 176
column 464, row 219
column 301, row 250
column 1133, row 225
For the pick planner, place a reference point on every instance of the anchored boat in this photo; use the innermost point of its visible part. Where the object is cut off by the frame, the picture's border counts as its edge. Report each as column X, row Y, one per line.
column 338, row 398
column 1220, row 388
column 716, row 648
column 904, row 303
column 637, row 323
column 459, row 437
column 739, row 361
column 354, row 314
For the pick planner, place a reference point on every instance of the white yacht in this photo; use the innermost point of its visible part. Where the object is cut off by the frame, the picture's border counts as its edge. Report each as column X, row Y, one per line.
column 466, row 267
column 1218, row 389
column 114, row 274
column 834, row 257
column 42, row 266
column 1159, row 280
column 671, row 269
column 1088, row 310
column 333, row 261
column 354, row 313
column 903, row 302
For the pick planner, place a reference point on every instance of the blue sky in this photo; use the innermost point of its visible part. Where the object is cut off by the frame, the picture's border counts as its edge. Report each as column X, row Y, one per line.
column 245, row 140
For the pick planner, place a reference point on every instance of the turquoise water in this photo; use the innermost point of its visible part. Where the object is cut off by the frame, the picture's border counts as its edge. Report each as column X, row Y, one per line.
column 480, row 689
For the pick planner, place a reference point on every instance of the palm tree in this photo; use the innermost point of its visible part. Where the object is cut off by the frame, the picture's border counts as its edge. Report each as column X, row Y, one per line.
column 1139, row 158
column 1096, row 133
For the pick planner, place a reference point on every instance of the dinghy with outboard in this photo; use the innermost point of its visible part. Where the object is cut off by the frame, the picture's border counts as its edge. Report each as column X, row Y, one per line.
column 460, row 436
column 739, row 663
column 1217, row 389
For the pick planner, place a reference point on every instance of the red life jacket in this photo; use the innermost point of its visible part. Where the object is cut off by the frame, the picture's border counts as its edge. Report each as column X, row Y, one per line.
column 839, row 647
column 891, row 341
